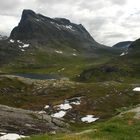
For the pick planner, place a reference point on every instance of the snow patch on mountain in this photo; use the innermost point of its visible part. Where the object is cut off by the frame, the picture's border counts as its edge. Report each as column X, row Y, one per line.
column 61, row 26
column 59, row 52
column 22, row 45
column 12, row 41
column 124, row 53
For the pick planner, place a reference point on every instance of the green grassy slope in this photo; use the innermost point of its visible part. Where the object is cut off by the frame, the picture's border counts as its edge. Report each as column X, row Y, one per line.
column 122, row 68
column 42, row 59
column 117, row 128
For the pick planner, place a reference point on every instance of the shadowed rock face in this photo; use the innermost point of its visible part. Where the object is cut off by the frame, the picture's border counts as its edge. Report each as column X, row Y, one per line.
column 37, row 27
column 7, row 51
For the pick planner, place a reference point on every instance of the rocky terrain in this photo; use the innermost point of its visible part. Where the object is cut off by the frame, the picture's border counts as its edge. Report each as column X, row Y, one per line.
column 25, row 122
column 135, row 110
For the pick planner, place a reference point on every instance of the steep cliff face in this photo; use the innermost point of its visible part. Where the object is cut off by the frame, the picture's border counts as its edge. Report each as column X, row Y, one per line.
column 37, row 27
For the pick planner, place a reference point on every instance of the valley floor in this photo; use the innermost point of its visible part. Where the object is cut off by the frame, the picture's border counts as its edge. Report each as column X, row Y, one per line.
column 79, row 104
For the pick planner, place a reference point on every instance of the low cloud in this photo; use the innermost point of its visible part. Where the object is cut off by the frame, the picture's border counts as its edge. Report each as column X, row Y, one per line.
column 118, row 2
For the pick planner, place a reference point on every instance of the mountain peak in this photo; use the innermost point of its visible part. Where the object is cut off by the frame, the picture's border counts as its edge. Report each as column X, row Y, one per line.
column 27, row 12
column 40, row 28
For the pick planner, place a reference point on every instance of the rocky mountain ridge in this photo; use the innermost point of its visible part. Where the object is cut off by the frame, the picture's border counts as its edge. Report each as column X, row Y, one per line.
column 43, row 29
column 123, row 45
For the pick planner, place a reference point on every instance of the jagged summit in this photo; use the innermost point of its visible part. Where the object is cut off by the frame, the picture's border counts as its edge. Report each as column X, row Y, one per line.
column 27, row 14
column 37, row 27
column 31, row 14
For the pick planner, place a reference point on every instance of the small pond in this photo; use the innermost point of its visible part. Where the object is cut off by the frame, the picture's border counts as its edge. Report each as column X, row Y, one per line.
column 39, row 76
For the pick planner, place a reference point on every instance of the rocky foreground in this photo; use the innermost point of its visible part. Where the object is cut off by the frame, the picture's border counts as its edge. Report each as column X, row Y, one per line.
column 26, row 122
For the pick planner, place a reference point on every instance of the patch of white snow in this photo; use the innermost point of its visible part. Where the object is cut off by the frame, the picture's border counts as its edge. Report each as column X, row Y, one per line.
column 60, row 52
column 75, row 103
column 12, row 41
column 74, row 54
column 124, row 53
column 22, row 50
column 25, row 45
column 19, row 41
column 66, row 106
column 89, row 119
column 11, row 136
column 69, row 27
column 46, row 107
column 136, row 89
column 59, row 114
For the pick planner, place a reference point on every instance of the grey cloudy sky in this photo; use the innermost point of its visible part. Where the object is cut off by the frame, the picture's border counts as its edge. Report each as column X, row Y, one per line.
column 108, row 21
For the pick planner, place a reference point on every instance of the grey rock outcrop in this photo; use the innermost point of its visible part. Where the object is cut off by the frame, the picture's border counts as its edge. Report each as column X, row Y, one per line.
column 26, row 122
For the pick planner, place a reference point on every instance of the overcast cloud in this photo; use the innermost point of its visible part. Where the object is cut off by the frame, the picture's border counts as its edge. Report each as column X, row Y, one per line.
column 108, row 21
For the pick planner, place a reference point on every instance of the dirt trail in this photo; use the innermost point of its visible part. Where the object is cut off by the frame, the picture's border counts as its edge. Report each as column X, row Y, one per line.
column 85, row 131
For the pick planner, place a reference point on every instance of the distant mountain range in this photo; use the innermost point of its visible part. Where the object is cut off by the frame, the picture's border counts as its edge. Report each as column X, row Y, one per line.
column 124, row 44
column 125, row 66
column 3, row 37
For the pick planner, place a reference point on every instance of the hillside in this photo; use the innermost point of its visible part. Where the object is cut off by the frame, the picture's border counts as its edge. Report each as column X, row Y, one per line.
column 41, row 44
column 121, row 68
